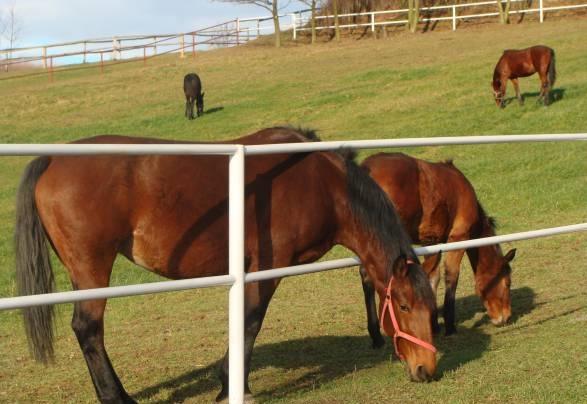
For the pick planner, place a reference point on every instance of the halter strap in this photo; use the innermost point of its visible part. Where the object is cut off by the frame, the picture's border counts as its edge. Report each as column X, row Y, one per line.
column 397, row 333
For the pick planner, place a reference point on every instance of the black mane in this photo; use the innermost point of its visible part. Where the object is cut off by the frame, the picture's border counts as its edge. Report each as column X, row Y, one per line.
column 376, row 212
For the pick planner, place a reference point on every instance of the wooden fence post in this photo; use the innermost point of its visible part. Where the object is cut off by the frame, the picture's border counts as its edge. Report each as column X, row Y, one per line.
column 101, row 62
column 45, row 57
column 51, row 69
column 182, row 46
column 194, row 46
column 85, row 50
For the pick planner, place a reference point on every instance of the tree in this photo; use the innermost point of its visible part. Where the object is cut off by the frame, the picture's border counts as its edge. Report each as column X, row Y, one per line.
column 270, row 5
column 413, row 14
column 504, row 11
column 313, row 4
column 336, row 23
column 12, row 28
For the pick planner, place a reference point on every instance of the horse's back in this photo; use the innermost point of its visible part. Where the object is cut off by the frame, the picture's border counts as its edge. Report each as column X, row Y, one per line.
column 431, row 198
column 192, row 85
column 516, row 63
column 169, row 213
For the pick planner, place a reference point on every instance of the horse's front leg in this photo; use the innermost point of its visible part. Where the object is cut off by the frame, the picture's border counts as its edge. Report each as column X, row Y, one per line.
column 431, row 267
column 452, row 269
column 371, row 308
column 517, row 89
column 257, row 297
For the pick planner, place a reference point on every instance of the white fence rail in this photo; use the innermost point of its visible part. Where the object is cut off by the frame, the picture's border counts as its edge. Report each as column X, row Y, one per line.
column 300, row 21
column 236, row 277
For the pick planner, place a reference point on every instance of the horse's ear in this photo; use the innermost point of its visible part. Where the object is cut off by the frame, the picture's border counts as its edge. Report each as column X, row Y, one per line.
column 400, row 267
column 510, row 255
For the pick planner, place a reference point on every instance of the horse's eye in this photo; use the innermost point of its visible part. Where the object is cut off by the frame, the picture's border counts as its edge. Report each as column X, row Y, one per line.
column 404, row 308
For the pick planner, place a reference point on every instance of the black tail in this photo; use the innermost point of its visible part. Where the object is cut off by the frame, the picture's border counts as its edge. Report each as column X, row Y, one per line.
column 552, row 70
column 34, row 274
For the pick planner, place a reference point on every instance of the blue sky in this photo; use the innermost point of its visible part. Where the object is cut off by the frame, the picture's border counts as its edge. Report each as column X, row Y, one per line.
column 50, row 21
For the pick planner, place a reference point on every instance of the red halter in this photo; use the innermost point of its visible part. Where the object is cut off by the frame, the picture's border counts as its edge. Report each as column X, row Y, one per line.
column 397, row 333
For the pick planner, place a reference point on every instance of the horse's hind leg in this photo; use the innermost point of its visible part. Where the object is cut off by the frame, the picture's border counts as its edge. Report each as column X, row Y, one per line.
column 517, row 88
column 370, row 306
column 88, row 325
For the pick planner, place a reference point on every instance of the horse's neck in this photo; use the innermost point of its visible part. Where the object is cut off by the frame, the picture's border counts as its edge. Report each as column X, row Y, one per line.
column 483, row 256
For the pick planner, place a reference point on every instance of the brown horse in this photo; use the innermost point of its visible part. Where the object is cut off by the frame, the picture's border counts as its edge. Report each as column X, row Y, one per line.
column 524, row 63
column 437, row 204
column 169, row 214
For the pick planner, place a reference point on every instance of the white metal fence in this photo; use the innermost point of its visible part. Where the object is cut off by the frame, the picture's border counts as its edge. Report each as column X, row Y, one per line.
column 236, row 277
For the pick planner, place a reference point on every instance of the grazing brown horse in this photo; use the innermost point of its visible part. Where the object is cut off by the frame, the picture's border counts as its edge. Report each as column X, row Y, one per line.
column 523, row 63
column 437, row 204
column 168, row 214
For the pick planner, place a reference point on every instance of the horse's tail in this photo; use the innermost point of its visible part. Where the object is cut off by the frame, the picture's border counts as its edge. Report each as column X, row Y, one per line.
column 34, row 274
column 552, row 69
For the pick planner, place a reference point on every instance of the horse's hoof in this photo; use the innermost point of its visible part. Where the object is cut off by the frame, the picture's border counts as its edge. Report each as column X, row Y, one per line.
column 378, row 343
column 450, row 331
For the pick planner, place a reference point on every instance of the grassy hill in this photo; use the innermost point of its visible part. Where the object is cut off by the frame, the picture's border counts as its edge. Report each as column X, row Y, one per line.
column 313, row 346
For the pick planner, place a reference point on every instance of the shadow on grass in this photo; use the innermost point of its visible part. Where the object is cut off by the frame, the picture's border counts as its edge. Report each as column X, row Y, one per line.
column 470, row 343
column 556, row 95
column 212, row 110
column 327, row 358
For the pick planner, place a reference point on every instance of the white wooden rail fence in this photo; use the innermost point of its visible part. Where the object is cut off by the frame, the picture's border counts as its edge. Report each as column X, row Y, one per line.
column 300, row 21
column 239, row 31
column 236, row 277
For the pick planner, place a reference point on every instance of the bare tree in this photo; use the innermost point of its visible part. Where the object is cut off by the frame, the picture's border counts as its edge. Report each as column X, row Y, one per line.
column 336, row 22
column 413, row 14
column 270, row 5
column 12, row 28
column 313, row 5
column 504, row 11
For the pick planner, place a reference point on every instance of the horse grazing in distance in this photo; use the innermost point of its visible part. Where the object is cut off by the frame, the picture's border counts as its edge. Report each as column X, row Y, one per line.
column 523, row 63
column 169, row 214
column 437, row 204
column 192, row 88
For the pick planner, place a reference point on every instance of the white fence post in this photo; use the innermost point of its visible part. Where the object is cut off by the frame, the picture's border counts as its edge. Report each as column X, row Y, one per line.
column 454, row 17
column 236, row 264
column 541, row 11
column 293, row 26
column 373, row 22
column 181, row 46
column 115, row 48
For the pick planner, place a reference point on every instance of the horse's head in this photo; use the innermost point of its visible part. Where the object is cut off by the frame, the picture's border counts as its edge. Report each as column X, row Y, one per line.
column 200, row 104
column 493, row 285
column 498, row 94
column 406, row 315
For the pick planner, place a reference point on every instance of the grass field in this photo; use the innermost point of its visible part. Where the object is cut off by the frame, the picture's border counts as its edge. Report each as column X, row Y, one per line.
column 313, row 347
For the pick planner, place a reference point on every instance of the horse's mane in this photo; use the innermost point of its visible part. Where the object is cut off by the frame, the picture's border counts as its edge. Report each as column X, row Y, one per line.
column 486, row 220
column 373, row 209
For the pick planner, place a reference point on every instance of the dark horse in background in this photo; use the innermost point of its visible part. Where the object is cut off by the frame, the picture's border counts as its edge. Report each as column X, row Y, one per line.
column 192, row 88
column 168, row 214
column 523, row 63
column 437, row 204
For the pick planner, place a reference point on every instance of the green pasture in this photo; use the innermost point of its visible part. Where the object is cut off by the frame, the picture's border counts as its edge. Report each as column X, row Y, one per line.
column 314, row 347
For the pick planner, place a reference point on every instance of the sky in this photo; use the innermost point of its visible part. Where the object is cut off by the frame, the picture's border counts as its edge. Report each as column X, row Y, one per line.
column 50, row 21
